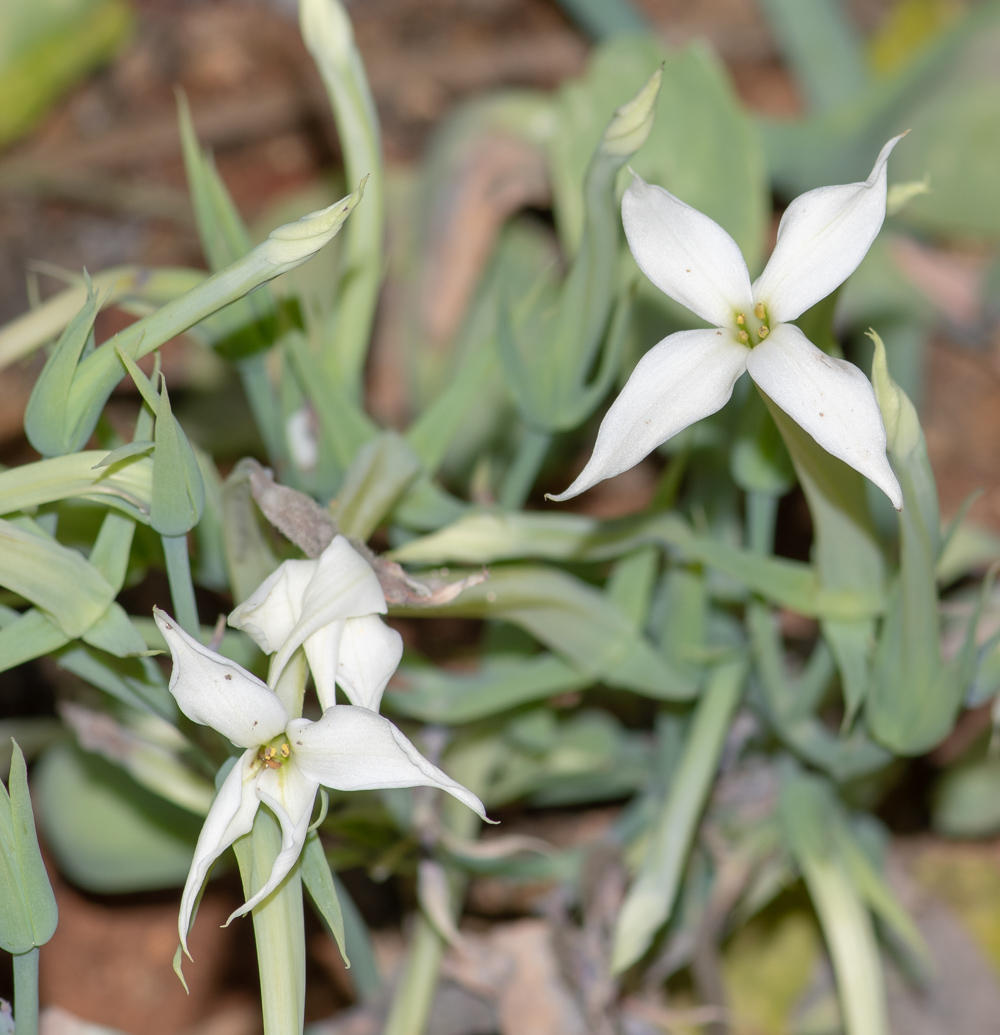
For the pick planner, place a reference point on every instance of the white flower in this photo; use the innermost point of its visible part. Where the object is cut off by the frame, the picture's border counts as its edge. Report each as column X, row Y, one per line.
column 330, row 606
column 284, row 761
column 823, row 236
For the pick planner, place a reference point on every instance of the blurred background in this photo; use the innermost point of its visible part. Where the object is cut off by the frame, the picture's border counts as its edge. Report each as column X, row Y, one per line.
column 91, row 175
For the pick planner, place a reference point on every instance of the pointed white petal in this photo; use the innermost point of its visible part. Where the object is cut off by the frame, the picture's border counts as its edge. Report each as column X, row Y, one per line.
column 353, row 749
column 685, row 254
column 289, row 794
column 343, row 586
column 269, row 614
column 682, row 379
column 822, row 238
column 322, row 652
column 830, row 398
column 230, row 816
column 369, row 654
column 217, row 692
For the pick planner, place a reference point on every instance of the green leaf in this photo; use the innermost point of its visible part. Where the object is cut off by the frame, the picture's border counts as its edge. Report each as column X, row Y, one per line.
column 28, row 912
column 326, row 30
column 96, row 376
column 482, row 537
column 549, row 346
column 31, row 635
column 127, row 485
column 499, row 683
column 789, row 705
column 966, row 801
column 319, row 882
column 178, row 496
column 847, row 927
column 576, row 621
column 702, row 147
column 54, row 578
column 915, row 695
column 48, row 418
column 108, row 834
column 650, row 900
column 136, row 682
column 114, row 632
column 249, row 557
column 382, row 471
column 822, row 47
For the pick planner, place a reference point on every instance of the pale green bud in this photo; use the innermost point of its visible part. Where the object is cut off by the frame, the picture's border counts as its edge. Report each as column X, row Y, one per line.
column 632, row 123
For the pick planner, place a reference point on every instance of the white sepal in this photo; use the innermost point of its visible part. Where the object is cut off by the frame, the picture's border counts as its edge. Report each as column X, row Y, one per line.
column 830, row 398
column 343, row 586
column 370, row 651
column 231, row 816
column 353, row 749
column 685, row 377
column 289, row 794
column 687, row 255
column 269, row 614
column 216, row 692
column 822, row 238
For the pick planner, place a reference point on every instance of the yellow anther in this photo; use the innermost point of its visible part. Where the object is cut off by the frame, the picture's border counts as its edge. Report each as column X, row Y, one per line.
column 762, row 332
column 285, row 750
column 758, row 311
column 743, row 336
column 741, row 319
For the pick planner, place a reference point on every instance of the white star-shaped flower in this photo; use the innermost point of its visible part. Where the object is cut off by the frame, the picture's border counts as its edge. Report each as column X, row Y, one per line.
column 823, row 236
column 284, row 761
column 329, row 606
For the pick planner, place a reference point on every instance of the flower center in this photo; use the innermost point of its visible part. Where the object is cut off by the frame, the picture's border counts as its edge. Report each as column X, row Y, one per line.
column 752, row 329
column 276, row 753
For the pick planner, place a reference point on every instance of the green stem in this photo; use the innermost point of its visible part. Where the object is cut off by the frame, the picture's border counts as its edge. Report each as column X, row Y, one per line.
column 761, row 515
column 524, row 470
column 26, row 992
column 411, row 1004
column 278, row 927
column 175, row 553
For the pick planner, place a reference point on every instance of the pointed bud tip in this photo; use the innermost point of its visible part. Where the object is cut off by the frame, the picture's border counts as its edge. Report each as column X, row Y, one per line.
column 632, row 122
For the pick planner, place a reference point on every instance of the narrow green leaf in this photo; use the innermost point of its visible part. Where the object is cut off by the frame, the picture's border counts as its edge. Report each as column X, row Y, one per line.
column 845, row 921
column 576, row 621
column 111, row 549
column 382, row 471
column 822, row 47
column 124, row 452
column 54, row 578
column 500, row 683
column 914, row 695
column 650, row 900
column 319, row 882
column 31, row 635
column 127, row 485
column 16, row 932
column 327, row 32
column 96, row 376
column 35, row 886
column 114, row 632
column 178, row 490
column 48, row 418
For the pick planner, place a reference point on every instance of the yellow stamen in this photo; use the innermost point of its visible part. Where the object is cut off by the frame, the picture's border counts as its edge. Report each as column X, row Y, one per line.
column 743, row 336
column 758, row 310
column 762, row 332
column 741, row 319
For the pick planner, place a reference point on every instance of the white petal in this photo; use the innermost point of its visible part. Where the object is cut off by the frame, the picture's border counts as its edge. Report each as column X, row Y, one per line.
column 685, row 254
column 822, row 238
column 685, row 377
column 269, row 614
column 231, row 816
column 354, row 749
column 343, row 586
column 217, row 692
column 830, row 398
column 369, row 654
column 322, row 652
column 289, row 794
